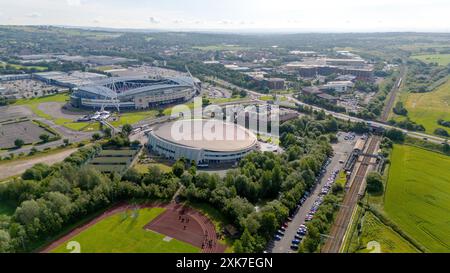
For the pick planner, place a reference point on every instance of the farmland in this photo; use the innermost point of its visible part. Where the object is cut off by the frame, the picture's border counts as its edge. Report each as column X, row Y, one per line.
column 124, row 233
column 428, row 108
column 417, row 197
column 440, row 59
column 390, row 241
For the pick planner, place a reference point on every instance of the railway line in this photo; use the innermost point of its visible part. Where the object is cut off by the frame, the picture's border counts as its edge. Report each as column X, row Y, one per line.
column 335, row 240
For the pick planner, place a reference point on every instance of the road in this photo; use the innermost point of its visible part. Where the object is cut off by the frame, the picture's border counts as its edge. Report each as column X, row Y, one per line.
column 430, row 138
column 342, row 150
column 19, row 166
column 336, row 236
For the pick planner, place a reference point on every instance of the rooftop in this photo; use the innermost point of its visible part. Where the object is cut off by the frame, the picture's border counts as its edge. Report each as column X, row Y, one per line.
column 211, row 135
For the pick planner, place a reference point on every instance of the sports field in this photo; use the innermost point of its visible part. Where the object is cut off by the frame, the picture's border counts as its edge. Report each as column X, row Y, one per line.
column 123, row 233
column 428, row 108
column 417, row 197
column 390, row 242
column 441, row 59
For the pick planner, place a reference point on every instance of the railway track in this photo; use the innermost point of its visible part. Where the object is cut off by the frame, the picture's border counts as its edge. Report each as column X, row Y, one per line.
column 393, row 95
column 335, row 240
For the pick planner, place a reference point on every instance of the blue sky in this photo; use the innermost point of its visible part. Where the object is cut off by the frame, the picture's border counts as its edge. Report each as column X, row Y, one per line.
column 232, row 15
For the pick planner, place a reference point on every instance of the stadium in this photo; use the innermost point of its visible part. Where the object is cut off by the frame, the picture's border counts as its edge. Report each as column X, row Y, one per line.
column 202, row 141
column 134, row 92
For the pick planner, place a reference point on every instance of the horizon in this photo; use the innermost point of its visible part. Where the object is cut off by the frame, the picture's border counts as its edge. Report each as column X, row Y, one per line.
column 251, row 16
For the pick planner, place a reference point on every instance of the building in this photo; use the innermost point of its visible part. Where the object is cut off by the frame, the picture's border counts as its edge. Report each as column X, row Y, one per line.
column 14, row 77
column 135, row 92
column 203, row 141
column 275, row 83
column 339, row 86
column 329, row 98
column 312, row 67
column 68, row 80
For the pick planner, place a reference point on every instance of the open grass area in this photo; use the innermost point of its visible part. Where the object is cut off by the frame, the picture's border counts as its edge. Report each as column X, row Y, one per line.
column 143, row 168
column 19, row 67
column 417, row 197
column 34, row 103
column 428, row 108
column 441, row 59
column 122, row 233
column 374, row 230
column 134, row 117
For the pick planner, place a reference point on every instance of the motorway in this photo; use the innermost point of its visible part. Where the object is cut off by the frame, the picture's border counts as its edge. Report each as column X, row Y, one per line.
column 343, row 218
column 342, row 150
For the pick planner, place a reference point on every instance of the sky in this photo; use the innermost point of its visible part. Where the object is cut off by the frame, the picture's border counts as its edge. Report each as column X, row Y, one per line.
column 234, row 15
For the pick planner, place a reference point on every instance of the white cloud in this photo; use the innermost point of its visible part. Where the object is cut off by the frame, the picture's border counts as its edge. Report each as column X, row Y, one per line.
column 153, row 20
column 74, row 2
column 34, row 15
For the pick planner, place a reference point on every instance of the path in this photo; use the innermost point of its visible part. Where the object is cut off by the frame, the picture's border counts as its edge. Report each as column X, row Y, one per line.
column 19, row 166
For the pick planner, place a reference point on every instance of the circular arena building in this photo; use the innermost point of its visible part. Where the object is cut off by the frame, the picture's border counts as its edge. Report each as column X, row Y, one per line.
column 134, row 92
column 203, row 141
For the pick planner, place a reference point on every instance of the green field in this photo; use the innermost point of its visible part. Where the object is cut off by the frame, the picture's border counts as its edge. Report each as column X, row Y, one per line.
column 374, row 230
column 428, row 108
column 143, row 168
column 441, row 59
column 18, row 66
column 34, row 103
column 417, row 197
column 124, row 234
column 134, row 117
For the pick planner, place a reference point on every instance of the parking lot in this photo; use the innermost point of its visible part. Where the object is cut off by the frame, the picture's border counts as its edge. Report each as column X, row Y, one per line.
column 29, row 88
column 295, row 229
column 26, row 130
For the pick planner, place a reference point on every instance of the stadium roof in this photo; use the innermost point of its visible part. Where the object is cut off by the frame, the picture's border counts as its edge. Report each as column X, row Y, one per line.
column 136, row 85
column 211, row 135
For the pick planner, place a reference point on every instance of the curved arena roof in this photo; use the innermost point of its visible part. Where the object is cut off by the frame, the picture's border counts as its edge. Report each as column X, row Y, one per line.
column 131, row 86
column 211, row 135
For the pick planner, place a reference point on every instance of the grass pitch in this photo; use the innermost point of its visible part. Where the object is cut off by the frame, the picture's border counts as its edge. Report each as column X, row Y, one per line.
column 122, row 233
column 417, row 196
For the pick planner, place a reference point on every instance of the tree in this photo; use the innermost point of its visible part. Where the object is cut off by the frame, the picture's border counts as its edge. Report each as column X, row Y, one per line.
column 178, row 168
column 5, row 241
column 96, row 137
column 399, row 109
column 66, row 142
column 44, row 138
column 374, row 183
column 107, row 132
column 441, row 132
column 446, row 148
column 19, row 143
column 395, row 135
column 246, row 244
column 127, row 129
